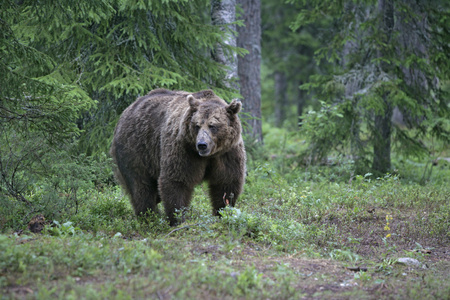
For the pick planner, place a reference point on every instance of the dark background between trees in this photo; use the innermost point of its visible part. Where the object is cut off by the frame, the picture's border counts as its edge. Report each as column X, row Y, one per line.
column 364, row 79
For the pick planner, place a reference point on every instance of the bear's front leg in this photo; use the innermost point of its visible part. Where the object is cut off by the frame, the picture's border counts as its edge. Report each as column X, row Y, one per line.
column 226, row 176
column 223, row 195
column 175, row 196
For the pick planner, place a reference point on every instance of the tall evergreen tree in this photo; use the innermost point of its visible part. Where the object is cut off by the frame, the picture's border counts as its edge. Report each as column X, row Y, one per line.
column 382, row 122
column 389, row 54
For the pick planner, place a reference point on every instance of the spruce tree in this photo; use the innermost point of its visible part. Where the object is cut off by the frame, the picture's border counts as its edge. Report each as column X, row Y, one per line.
column 388, row 55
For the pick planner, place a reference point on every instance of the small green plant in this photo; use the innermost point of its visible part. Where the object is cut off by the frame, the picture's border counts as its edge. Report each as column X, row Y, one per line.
column 419, row 252
column 364, row 277
column 386, row 265
column 239, row 223
column 248, row 280
column 58, row 229
column 344, row 255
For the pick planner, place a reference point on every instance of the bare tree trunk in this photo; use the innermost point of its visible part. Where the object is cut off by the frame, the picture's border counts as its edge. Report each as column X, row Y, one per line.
column 280, row 97
column 382, row 145
column 223, row 12
column 249, row 66
column 383, row 120
column 301, row 100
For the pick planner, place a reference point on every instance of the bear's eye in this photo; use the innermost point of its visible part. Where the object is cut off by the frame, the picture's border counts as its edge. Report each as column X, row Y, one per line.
column 213, row 128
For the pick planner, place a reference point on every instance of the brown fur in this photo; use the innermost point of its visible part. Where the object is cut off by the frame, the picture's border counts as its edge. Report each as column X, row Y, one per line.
column 167, row 142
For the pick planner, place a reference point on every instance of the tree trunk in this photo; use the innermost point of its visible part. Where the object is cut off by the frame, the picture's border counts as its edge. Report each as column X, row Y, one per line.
column 301, row 100
column 383, row 120
column 382, row 145
column 249, row 66
column 280, row 97
column 223, row 12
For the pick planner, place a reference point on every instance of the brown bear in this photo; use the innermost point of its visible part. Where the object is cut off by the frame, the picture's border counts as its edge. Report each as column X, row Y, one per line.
column 167, row 142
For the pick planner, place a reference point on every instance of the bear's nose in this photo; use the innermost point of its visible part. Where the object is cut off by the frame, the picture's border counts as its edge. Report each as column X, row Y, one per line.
column 202, row 146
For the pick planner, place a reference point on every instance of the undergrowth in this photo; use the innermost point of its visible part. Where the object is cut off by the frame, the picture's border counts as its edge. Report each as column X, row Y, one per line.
column 293, row 220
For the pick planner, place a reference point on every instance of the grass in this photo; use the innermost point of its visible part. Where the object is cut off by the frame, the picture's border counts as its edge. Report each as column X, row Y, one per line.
column 300, row 233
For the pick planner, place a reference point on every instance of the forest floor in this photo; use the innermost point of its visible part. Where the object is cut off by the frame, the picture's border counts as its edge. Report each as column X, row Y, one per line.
column 185, row 265
column 369, row 239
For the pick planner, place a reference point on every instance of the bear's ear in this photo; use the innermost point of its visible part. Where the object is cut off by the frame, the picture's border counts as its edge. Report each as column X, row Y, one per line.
column 234, row 107
column 193, row 103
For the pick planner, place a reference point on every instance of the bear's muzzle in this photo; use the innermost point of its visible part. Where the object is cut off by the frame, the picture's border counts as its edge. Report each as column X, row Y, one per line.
column 204, row 143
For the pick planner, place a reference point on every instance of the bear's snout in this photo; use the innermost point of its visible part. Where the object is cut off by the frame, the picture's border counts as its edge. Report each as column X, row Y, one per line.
column 203, row 148
column 204, row 143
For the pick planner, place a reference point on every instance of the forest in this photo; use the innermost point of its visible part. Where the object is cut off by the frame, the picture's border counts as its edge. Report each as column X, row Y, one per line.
column 346, row 125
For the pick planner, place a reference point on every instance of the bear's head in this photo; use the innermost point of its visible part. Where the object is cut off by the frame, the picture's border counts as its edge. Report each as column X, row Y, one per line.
column 214, row 125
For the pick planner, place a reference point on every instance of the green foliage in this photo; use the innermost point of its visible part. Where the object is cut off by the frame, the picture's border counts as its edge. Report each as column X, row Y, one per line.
column 286, row 52
column 35, row 96
column 114, row 206
column 330, row 121
column 375, row 73
column 38, row 179
column 82, row 254
column 288, row 232
column 240, row 223
column 61, row 229
column 344, row 255
column 248, row 280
